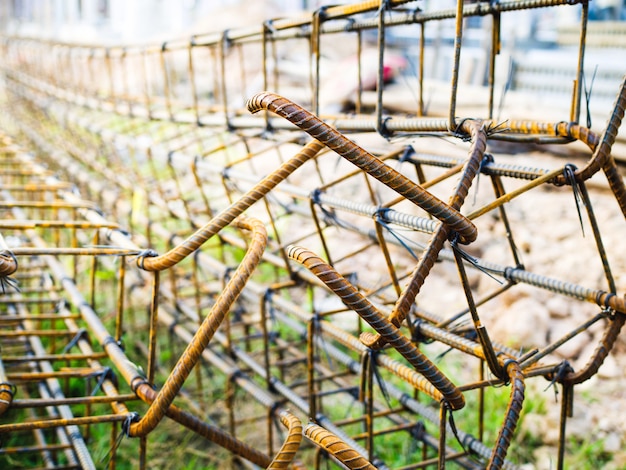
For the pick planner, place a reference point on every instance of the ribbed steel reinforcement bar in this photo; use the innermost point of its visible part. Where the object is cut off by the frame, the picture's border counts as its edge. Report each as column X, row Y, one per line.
column 192, row 353
column 381, row 342
column 590, row 294
column 136, row 378
column 364, row 160
column 190, row 245
column 435, row 244
column 359, row 304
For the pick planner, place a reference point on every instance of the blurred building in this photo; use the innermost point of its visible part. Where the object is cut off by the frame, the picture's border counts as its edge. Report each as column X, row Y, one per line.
column 539, row 46
column 122, row 21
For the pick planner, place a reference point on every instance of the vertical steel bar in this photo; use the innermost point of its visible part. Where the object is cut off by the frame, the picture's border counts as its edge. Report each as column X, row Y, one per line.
column 153, row 321
column 578, row 83
column 380, row 80
column 495, row 50
column 458, row 39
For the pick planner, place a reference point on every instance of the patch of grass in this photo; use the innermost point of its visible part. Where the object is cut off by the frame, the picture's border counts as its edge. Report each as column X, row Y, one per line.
column 587, row 454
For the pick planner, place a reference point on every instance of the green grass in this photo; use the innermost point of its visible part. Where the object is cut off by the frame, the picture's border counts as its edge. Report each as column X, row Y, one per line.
column 587, row 454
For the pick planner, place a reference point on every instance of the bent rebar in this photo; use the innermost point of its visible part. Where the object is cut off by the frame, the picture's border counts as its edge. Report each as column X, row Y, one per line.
column 337, row 448
column 513, row 410
column 428, row 258
column 229, row 214
column 288, row 450
column 387, row 330
column 206, row 430
column 363, row 159
column 190, row 357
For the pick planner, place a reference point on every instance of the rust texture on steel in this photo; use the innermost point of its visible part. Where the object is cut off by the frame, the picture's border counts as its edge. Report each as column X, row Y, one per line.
column 301, row 288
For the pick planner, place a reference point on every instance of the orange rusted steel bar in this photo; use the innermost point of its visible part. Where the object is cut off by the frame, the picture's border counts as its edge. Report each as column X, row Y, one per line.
column 387, row 330
column 605, row 346
column 93, row 145
column 337, row 448
column 435, row 244
column 512, row 415
column 208, row 431
column 190, row 245
column 41, row 402
column 364, row 160
column 287, row 452
column 192, row 353
column 7, row 390
column 55, row 423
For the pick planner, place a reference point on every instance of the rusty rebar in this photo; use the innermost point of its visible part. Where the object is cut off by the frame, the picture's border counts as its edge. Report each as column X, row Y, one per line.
column 192, row 243
column 512, row 415
column 158, row 150
column 387, row 330
column 288, row 450
column 364, row 160
column 336, row 447
column 7, row 390
column 435, row 244
column 191, row 355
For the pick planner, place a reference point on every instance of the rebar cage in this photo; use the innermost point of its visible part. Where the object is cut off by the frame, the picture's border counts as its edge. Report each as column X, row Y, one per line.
column 164, row 255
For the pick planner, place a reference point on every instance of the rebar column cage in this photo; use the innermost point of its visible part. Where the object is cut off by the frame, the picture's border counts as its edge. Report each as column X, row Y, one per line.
column 164, row 255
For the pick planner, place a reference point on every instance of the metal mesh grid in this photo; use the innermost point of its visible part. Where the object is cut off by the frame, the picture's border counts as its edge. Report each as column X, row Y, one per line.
column 358, row 292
